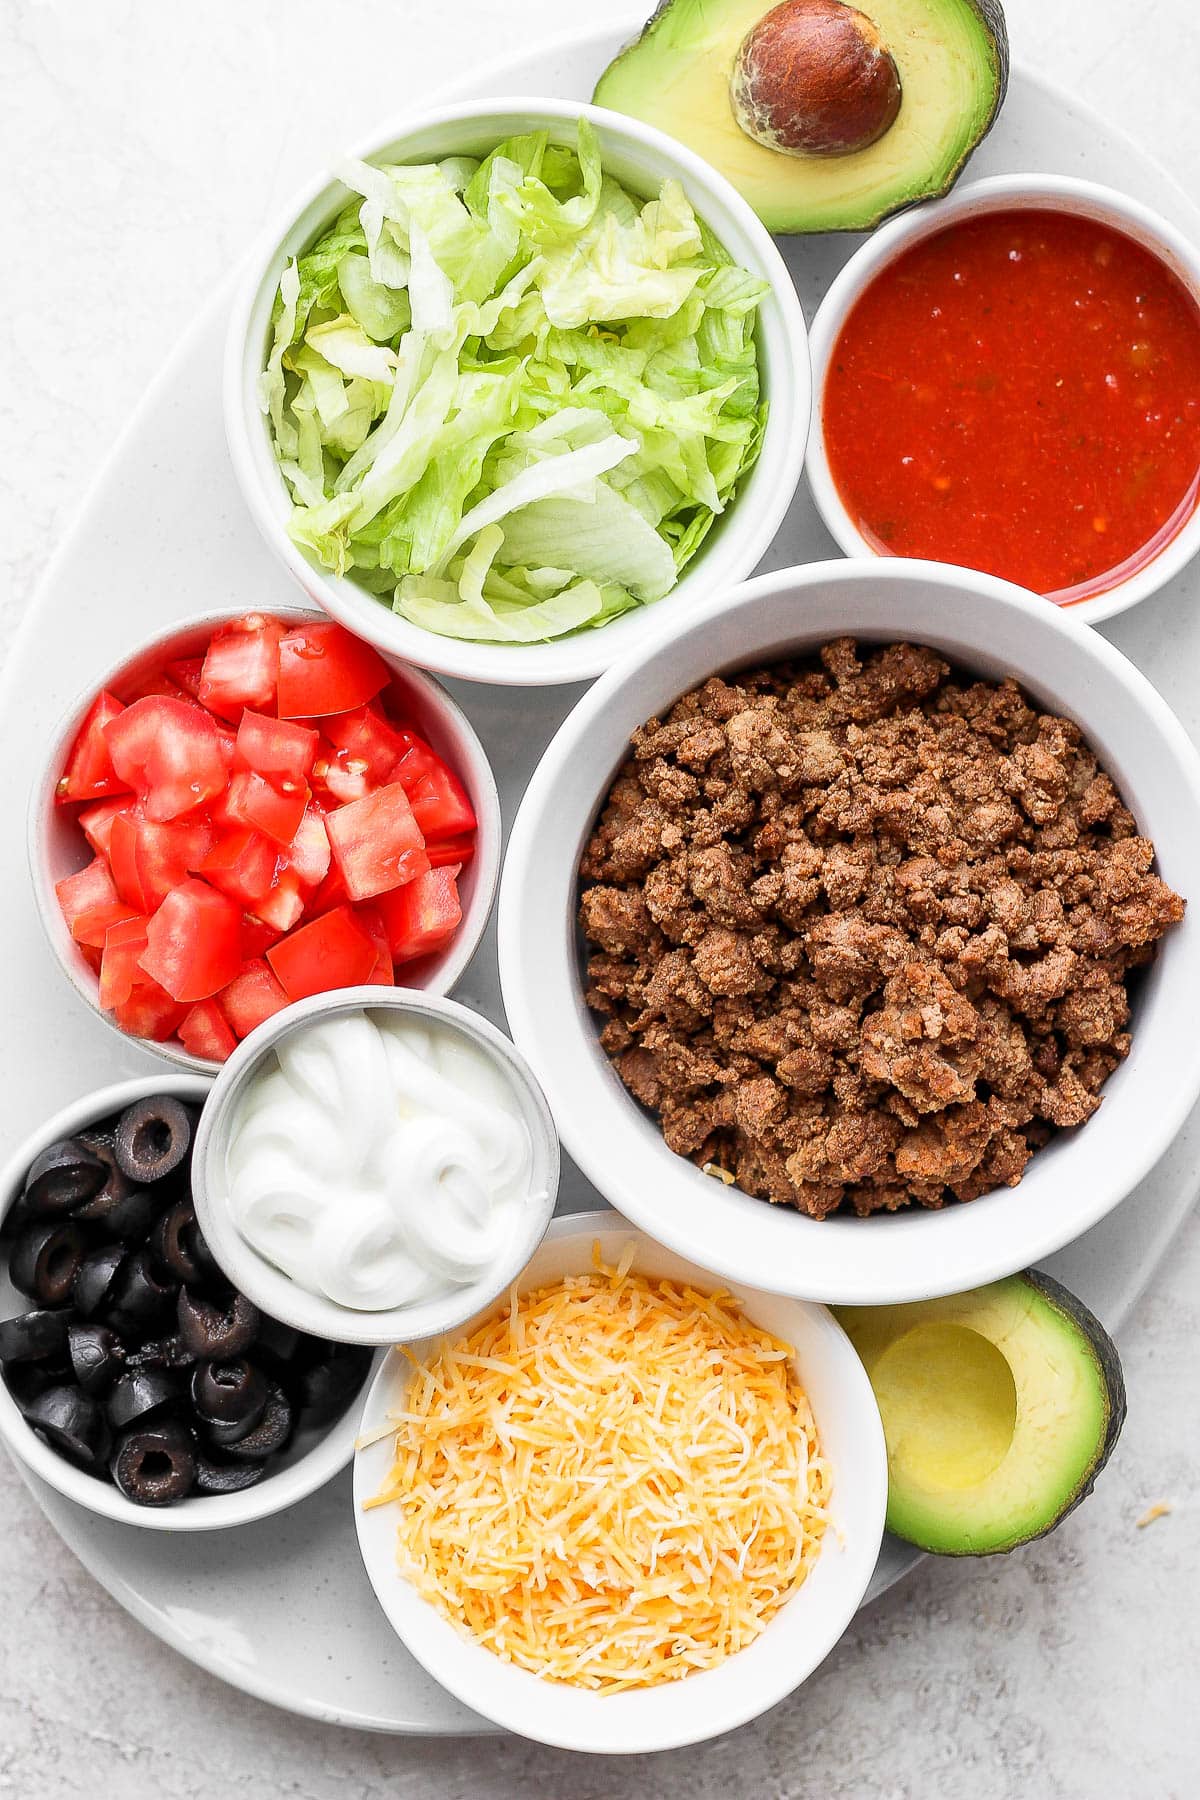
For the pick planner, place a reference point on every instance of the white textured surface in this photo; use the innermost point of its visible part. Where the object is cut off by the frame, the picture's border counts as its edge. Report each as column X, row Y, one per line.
column 143, row 144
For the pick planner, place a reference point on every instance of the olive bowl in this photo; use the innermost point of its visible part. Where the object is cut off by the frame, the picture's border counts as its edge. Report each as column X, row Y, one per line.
column 313, row 1457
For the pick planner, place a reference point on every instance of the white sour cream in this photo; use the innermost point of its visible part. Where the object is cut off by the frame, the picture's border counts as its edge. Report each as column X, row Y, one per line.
column 379, row 1160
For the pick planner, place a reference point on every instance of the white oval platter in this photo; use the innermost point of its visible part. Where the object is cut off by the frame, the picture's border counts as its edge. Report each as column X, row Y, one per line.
column 282, row 1609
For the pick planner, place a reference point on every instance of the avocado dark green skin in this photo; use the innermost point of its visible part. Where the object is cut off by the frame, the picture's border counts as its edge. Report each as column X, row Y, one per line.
column 990, row 14
column 1113, row 1380
column 1111, row 1374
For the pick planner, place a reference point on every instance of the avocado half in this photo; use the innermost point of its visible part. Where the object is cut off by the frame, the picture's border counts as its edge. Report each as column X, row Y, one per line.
column 952, row 56
column 1000, row 1408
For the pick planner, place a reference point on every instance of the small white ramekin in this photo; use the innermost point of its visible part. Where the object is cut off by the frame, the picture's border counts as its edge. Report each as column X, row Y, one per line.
column 57, row 847
column 795, row 1641
column 997, row 193
column 641, row 157
column 986, row 626
column 275, row 1292
column 304, row 1467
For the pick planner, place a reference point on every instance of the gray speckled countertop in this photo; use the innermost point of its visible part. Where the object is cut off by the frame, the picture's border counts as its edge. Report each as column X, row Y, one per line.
column 142, row 145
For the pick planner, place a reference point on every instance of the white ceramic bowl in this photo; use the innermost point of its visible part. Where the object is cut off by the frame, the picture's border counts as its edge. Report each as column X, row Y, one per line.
column 641, row 157
column 305, row 1466
column 997, row 193
column 990, row 627
column 703, row 1705
column 275, row 1292
column 58, row 848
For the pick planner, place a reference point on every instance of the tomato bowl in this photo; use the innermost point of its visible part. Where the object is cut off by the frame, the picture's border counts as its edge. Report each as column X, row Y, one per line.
column 60, row 852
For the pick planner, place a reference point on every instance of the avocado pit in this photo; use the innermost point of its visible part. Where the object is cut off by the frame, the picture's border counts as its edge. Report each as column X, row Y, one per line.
column 815, row 78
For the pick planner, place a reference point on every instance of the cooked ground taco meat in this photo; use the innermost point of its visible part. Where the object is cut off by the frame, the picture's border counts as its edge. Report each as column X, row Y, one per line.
column 862, row 928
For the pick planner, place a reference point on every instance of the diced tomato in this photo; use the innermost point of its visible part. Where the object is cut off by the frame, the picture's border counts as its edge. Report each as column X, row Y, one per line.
column 376, row 842
column 242, row 865
column 169, row 752
column 323, row 669
column 120, row 971
column 371, row 921
column 276, row 748
column 423, row 916
column 439, row 799
column 341, row 777
column 193, row 944
column 92, row 957
column 257, row 937
column 251, row 997
column 308, row 852
column 241, row 666
column 366, row 737
column 450, row 850
column 90, row 903
column 331, row 893
column 416, row 759
column 158, row 681
column 283, row 907
column 228, row 743
column 440, row 804
column 187, row 671
column 254, row 801
column 149, row 1013
column 89, row 774
column 96, row 821
column 205, row 1032
column 331, row 952
column 150, row 857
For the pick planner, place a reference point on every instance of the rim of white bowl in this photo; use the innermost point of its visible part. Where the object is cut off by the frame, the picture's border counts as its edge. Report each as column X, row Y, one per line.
column 997, row 193
column 736, row 543
column 275, row 1292
column 751, row 1680
column 455, row 737
column 885, row 1259
column 201, row 1512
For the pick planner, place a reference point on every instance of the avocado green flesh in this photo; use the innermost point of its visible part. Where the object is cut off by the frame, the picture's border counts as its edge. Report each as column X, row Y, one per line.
column 952, row 56
column 999, row 1406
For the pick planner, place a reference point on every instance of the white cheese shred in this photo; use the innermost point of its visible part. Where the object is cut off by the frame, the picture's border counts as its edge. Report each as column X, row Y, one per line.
column 613, row 1482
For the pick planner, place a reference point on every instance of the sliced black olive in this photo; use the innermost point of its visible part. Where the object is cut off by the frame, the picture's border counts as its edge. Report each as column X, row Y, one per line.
column 152, row 1138
column 133, row 1216
column 232, row 1390
column 214, row 1331
column 324, row 1390
column 275, row 1349
column 97, row 1355
column 154, row 1465
column 63, row 1175
column 96, row 1279
column 140, row 1297
column 139, row 1392
column 33, row 1336
column 173, row 1243
column 161, row 1353
column 270, row 1434
column 45, row 1260
column 26, row 1381
column 214, row 1477
column 71, row 1422
column 115, row 1185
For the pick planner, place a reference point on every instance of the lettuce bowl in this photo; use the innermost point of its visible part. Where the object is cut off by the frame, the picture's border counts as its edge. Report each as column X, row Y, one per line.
column 547, row 393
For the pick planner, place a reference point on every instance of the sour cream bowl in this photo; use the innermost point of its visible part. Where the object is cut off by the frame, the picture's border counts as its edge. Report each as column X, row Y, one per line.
column 458, row 1287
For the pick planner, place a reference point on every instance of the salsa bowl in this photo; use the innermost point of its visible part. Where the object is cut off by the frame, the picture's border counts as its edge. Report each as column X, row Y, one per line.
column 1178, row 541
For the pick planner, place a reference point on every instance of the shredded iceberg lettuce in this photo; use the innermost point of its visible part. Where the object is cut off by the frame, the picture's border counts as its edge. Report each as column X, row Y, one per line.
column 508, row 396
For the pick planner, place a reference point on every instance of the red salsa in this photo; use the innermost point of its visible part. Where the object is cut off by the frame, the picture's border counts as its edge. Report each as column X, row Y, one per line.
column 1020, row 393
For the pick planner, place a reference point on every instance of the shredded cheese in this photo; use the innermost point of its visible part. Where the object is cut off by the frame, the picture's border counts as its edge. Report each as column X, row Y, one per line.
column 612, row 1482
